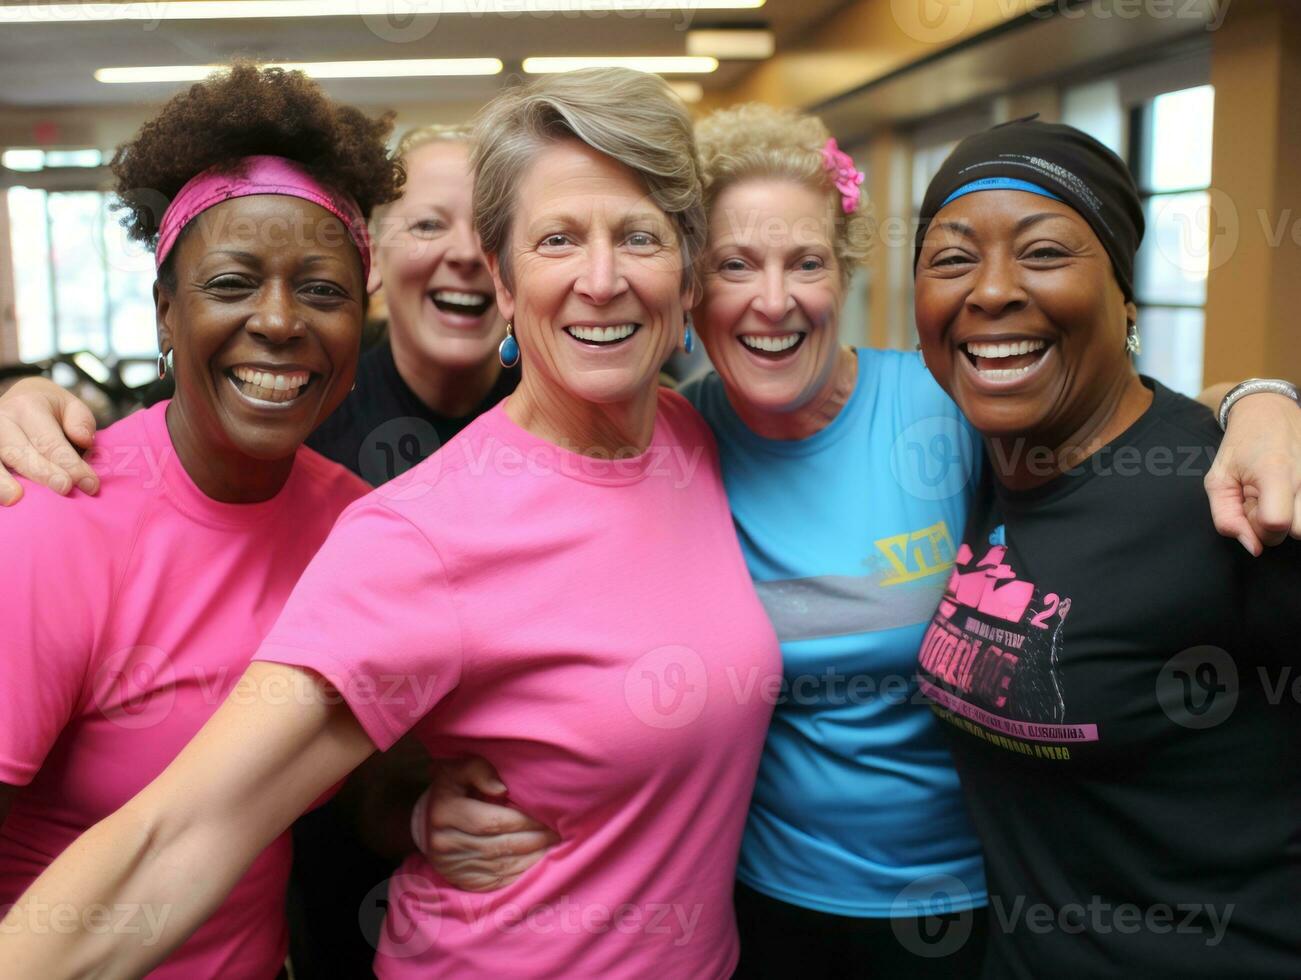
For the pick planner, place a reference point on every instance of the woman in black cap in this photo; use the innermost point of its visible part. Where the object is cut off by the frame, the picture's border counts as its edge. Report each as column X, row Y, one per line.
column 1112, row 671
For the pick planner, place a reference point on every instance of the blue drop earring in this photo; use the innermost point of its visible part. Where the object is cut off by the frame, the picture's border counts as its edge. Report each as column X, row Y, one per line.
column 688, row 338
column 508, row 352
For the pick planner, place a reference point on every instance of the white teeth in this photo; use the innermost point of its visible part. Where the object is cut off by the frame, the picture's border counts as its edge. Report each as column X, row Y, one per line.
column 459, row 298
column 269, row 386
column 602, row 335
column 771, row 344
column 1005, row 372
column 1012, row 349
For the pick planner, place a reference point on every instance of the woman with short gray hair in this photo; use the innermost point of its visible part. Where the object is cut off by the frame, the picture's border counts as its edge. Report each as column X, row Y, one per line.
column 558, row 590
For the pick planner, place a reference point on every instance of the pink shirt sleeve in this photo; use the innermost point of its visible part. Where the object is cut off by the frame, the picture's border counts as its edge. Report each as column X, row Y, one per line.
column 58, row 575
column 375, row 614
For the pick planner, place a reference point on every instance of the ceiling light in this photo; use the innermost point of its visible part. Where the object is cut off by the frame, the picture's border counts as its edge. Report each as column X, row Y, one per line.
column 47, row 13
column 676, row 65
column 314, row 69
column 737, row 45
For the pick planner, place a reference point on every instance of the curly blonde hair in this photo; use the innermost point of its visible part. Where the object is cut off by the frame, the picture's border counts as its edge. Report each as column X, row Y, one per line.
column 754, row 140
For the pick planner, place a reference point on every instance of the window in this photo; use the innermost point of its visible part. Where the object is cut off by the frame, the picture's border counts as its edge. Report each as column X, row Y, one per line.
column 1171, row 161
column 931, row 146
column 78, row 283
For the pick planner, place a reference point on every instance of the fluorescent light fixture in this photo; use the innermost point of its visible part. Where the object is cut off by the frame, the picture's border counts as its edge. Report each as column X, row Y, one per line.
column 675, row 65
column 688, row 91
column 152, row 10
column 411, row 68
column 28, row 161
column 737, row 45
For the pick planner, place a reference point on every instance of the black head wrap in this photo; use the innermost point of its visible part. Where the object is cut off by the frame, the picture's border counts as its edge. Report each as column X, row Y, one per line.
column 1071, row 165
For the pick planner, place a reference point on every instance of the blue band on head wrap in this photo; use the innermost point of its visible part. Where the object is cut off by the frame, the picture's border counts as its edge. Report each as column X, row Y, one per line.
column 999, row 184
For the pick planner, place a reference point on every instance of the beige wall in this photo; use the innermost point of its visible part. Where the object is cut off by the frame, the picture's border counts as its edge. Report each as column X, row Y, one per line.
column 1253, row 309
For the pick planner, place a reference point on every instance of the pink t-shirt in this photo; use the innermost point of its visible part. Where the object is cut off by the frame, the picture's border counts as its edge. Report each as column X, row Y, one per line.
column 127, row 618
column 589, row 627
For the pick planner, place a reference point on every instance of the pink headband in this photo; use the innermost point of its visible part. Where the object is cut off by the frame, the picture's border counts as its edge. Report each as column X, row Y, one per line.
column 258, row 175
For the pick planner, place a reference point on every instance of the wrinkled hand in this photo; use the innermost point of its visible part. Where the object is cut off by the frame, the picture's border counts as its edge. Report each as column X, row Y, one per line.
column 1255, row 482
column 476, row 844
column 35, row 414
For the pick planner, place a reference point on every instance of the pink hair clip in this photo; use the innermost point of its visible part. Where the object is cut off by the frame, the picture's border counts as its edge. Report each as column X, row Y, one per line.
column 843, row 174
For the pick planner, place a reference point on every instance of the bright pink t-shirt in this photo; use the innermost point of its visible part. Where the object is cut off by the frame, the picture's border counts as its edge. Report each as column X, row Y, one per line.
column 128, row 617
column 589, row 627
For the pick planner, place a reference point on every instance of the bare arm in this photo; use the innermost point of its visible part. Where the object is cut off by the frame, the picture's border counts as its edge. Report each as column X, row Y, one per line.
column 37, row 420
column 180, row 846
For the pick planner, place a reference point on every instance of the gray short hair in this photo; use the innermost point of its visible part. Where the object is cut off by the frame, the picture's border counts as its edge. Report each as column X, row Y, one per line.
column 631, row 117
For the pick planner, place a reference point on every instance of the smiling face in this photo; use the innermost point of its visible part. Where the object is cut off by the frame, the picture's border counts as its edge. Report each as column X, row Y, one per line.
column 773, row 293
column 436, row 282
column 1020, row 316
column 597, row 294
column 264, row 324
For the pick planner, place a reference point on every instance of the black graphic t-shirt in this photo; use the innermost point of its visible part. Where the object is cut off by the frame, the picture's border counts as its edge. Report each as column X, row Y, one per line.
column 1122, row 688
column 382, row 428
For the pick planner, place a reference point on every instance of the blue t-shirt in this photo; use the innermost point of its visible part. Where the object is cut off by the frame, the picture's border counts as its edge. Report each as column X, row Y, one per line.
column 850, row 536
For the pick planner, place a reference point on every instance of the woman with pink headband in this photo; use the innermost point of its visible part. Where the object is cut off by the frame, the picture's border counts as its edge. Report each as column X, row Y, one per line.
column 129, row 618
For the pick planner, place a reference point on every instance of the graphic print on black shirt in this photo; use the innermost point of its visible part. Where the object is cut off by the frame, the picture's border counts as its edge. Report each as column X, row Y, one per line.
column 996, row 640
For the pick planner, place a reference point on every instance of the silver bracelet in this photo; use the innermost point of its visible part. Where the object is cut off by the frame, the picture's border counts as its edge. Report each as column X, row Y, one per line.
column 1253, row 386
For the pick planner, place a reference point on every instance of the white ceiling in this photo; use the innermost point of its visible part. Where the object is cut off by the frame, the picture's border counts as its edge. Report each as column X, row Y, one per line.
column 51, row 65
